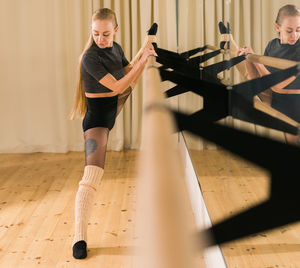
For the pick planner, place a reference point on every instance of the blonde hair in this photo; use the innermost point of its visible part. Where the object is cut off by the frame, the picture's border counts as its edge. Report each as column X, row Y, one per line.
column 79, row 107
column 287, row 11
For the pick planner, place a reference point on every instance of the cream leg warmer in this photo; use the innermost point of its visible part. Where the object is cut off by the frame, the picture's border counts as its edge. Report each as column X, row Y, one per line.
column 83, row 203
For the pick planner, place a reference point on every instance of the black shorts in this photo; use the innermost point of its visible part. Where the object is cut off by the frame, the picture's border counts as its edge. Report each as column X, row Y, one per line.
column 101, row 112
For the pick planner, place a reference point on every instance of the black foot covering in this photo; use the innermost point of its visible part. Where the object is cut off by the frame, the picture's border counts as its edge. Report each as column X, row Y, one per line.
column 153, row 29
column 79, row 250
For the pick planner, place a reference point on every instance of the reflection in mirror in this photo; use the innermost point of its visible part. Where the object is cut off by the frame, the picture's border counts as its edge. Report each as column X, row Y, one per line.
column 284, row 44
column 199, row 26
column 228, row 183
column 275, row 33
column 203, row 30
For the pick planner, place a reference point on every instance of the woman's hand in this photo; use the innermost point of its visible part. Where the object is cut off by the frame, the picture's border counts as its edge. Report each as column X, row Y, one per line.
column 147, row 52
column 244, row 51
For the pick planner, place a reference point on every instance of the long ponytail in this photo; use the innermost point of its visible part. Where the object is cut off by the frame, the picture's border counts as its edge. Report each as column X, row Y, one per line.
column 79, row 107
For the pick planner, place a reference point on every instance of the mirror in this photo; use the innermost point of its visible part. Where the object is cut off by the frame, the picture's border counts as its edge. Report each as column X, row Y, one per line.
column 230, row 184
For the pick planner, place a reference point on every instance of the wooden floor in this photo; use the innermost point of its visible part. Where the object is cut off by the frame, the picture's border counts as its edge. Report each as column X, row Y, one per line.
column 37, row 193
column 230, row 185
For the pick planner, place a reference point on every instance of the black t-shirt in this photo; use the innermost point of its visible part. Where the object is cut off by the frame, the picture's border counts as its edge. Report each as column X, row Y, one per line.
column 284, row 51
column 288, row 104
column 98, row 62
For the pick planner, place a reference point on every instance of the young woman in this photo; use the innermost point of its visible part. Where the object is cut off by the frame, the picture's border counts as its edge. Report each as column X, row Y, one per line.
column 285, row 96
column 104, row 84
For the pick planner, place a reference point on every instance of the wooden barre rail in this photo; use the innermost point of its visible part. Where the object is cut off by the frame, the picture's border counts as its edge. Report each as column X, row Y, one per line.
column 163, row 201
column 271, row 61
column 266, row 60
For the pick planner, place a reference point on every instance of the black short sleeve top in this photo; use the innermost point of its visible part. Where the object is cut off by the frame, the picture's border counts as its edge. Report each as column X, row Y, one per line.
column 284, row 51
column 97, row 62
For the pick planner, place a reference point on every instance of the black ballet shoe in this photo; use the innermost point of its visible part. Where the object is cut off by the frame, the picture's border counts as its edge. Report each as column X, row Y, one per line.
column 222, row 28
column 153, row 29
column 79, row 250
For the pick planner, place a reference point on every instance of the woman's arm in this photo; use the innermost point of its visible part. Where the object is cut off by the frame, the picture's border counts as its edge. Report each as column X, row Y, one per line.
column 257, row 70
column 250, row 69
column 128, row 68
column 121, row 85
column 149, row 39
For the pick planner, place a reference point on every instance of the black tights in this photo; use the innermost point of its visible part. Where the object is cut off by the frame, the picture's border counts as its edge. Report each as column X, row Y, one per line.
column 95, row 146
column 96, row 138
column 122, row 99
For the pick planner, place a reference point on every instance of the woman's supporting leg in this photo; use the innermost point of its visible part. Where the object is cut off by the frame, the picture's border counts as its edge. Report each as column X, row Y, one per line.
column 95, row 148
column 83, row 204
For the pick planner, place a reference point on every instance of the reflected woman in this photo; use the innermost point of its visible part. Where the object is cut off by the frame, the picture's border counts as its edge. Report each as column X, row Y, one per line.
column 104, row 83
column 285, row 96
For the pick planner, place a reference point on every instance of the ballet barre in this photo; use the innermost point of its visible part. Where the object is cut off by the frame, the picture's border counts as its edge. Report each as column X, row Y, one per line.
column 163, row 202
column 266, row 60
